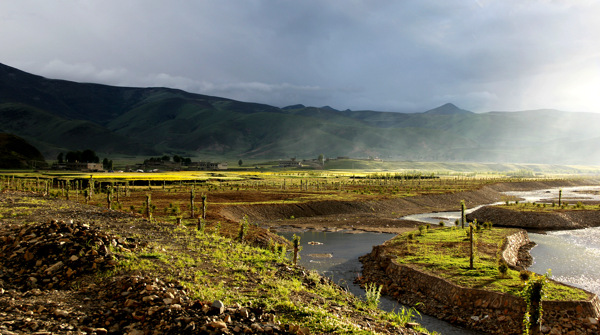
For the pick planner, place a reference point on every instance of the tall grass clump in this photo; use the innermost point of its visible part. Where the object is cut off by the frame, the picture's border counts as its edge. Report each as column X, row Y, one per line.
column 372, row 294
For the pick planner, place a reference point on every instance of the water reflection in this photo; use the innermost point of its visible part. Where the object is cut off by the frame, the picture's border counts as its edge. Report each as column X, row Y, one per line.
column 572, row 255
column 343, row 266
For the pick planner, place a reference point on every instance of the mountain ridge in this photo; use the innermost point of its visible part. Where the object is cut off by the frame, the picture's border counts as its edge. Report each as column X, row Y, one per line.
column 58, row 115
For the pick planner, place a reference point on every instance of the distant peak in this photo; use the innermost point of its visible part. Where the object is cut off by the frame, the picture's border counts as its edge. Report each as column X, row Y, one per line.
column 299, row 106
column 329, row 108
column 447, row 109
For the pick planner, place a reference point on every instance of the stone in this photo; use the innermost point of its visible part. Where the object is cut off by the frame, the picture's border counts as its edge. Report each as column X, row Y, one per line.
column 149, row 298
column 61, row 313
column 73, row 258
column 130, row 303
column 593, row 321
column 244, row 313
column 218, row 325
column 218, row 307
column 154, row 309
column 54, row 267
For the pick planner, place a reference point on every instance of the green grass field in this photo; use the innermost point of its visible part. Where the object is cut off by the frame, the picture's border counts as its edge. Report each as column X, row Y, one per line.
column 445, row 253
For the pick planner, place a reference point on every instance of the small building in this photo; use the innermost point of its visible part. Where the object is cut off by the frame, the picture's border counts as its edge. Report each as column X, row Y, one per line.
column 85, row 167
column 292, row 163
column 207, row 166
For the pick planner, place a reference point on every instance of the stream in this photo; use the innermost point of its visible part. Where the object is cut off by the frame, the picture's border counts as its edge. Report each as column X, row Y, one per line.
column 573, row 255
column 337, row 258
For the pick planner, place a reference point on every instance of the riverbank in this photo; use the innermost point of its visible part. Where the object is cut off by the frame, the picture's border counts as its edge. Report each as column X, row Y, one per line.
column 559, row 219
column 378, row 215
column 489, row 310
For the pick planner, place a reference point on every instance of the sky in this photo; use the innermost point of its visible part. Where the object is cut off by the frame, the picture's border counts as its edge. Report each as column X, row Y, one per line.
column 398, row 56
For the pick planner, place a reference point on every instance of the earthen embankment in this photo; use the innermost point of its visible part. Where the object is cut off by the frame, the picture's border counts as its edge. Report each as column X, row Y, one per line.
column 488, row 311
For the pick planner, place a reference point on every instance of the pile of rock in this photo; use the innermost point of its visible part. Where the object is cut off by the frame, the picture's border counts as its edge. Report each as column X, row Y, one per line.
column 54, row 254
column 135, row 304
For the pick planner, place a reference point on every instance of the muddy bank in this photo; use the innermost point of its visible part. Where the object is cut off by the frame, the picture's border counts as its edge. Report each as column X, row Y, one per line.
column 558, row 220
column 377, row 215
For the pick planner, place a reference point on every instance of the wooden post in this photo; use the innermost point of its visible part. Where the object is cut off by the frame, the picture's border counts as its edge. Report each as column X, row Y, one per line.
column 471, row 242
column 296, row 242
column 192, row 196
column 204, row 206
column 463, row 217
column 148, row 210
column 109, row 197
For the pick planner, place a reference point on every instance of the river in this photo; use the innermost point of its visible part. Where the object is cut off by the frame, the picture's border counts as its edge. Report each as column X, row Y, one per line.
column 572, row 255
column 337, row 258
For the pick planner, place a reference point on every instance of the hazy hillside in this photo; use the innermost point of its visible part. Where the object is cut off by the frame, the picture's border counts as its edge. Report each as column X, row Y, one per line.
column 58, row 115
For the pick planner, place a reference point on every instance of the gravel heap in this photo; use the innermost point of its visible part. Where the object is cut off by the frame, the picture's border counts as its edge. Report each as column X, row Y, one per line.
column 55, row 254
column 46, row 288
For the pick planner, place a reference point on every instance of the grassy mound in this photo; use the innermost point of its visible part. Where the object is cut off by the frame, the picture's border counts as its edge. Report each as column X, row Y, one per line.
column 445, row 252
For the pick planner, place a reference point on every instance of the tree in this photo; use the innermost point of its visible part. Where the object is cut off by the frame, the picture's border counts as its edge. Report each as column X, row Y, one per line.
column 73, row 156
column 321, row 159
column 240, row 162
column 107, row 164
column 89, row 156
column 60, row 158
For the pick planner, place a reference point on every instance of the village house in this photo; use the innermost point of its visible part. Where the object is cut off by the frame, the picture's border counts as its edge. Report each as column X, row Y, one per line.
column 207, row 166
column 290, row 163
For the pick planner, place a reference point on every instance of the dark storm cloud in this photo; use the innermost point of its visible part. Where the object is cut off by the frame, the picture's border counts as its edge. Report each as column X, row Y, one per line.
column 385, row 55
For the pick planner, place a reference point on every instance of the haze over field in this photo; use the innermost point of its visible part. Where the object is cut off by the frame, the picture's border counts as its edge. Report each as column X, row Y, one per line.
column 401, row 56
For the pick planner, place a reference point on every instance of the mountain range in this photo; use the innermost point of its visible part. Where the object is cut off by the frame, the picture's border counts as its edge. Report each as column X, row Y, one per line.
column 58, row 115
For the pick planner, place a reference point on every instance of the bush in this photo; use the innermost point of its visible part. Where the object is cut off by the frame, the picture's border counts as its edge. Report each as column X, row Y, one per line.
column 422, row 229
column 442, row 223
column 502, row 268
column 373, row 294
column 524, row 275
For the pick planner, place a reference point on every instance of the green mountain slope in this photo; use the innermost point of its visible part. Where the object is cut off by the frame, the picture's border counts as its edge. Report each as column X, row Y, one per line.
column 16, row 153
column 57, row 115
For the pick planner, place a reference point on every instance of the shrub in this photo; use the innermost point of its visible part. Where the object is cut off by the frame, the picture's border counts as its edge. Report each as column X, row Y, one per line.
column 442, row 223
column 373, row 294
column 502, row 268
column 524, row 275
column 422, row 229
